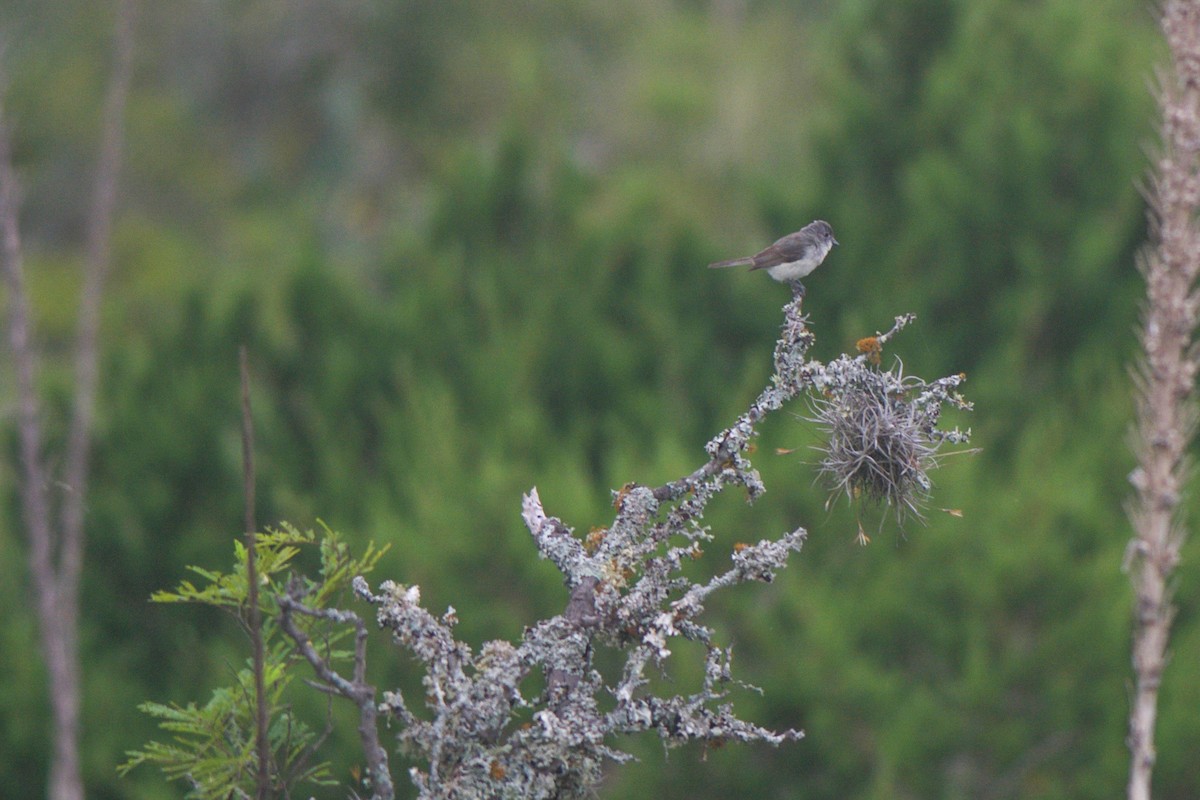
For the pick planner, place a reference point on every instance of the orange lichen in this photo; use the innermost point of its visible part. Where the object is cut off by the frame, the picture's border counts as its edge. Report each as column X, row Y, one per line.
column 594, row 538
column 871, row 346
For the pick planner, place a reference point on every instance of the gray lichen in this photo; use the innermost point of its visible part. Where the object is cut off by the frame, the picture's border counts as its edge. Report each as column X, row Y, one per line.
column 627, row 592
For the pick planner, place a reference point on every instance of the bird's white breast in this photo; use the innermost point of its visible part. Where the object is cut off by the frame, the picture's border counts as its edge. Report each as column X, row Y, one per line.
column 795, row 270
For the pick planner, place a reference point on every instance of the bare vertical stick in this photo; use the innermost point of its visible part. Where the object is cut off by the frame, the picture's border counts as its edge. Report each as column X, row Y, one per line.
column 1165, row 377
column 96, row 267
column 65, row 778
column 261, row 743
column 56, row 553
column 35, row 503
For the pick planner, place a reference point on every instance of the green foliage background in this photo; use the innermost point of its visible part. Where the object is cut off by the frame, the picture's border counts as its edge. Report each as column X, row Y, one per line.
column 465, row 243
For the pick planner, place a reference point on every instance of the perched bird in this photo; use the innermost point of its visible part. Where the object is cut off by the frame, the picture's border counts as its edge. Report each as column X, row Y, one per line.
column 793, row 257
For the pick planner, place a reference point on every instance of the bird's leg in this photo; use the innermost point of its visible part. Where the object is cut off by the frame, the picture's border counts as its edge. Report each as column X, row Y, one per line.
column 797, row 289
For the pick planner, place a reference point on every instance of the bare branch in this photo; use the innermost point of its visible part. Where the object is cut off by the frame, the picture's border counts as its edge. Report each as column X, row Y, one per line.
column 56, row 573
column 357, row 690
column 96, row 267
column 56, row 619
column 20, row 335
column 262, row 743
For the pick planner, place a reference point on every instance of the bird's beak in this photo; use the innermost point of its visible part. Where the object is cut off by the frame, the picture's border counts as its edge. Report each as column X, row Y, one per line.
column 835, row 241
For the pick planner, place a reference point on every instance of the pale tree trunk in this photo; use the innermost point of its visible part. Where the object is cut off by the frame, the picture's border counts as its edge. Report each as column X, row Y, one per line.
column 56, row 551
column 1165, row 377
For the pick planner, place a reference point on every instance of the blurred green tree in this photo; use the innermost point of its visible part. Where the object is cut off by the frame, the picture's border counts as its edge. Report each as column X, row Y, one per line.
column 492, row 219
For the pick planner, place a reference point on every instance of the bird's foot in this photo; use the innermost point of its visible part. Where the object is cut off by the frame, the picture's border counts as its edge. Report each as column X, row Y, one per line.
column 797, row 290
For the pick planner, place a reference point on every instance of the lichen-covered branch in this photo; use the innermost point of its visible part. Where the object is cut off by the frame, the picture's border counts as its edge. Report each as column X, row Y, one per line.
column 534, row 718
column 791, row 378
column 627, row 592
column 1165, row 377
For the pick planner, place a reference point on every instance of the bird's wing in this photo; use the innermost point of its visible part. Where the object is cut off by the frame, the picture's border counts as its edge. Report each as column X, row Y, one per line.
column 786, row 250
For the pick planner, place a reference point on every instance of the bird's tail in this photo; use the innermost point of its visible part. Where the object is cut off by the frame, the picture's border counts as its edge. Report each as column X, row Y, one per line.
column 736, row 262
